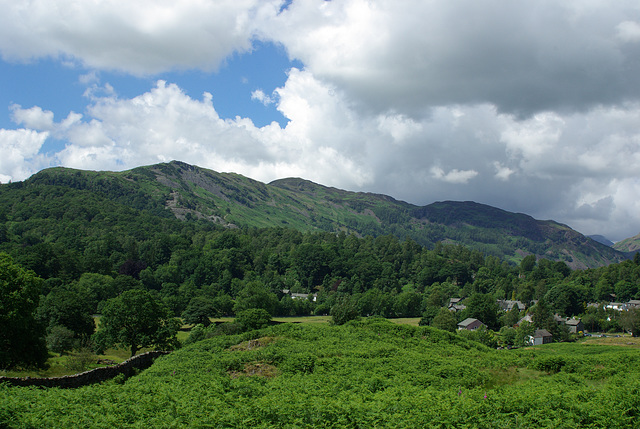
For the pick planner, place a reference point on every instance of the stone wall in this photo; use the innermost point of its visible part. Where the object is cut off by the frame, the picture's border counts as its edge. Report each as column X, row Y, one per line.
column 128, row 368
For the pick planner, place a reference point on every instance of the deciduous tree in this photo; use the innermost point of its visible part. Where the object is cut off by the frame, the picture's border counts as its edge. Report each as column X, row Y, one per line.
column 199, row 310
column 445, row 320
column 135, row 320
column 630, row 320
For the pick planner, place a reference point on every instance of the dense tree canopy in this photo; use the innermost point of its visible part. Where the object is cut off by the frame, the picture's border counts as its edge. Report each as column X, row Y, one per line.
column 197, row 269
column 21, row 335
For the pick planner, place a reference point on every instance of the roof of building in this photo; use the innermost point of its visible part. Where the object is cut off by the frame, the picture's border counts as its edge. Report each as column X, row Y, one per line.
column 542, row 333
column 468, row 321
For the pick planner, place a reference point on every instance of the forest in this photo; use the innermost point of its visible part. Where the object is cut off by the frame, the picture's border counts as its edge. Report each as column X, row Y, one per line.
column 196, row 270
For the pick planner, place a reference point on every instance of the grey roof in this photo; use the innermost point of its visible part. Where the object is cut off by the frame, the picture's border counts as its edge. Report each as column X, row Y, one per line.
column 468, row 321
column 542, row 333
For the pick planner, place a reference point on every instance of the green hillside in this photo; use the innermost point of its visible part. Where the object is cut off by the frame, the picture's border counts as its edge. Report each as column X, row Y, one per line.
column 181, row 191
column 631, row 244
column 361, row 375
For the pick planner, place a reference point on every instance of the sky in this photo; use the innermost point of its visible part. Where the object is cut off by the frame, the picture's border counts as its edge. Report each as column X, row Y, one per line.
column 532, row 107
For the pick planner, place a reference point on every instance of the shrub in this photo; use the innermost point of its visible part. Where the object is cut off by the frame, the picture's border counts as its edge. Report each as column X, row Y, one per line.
column 344, row 311
column 481, row 335
column 60, row 339
column 80, row 361
column 549, row 364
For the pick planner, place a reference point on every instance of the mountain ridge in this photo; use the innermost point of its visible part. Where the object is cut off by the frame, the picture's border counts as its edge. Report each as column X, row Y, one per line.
column 189, row 193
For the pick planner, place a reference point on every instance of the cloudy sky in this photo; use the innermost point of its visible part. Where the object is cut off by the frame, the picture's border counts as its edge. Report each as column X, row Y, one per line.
column 532, row 107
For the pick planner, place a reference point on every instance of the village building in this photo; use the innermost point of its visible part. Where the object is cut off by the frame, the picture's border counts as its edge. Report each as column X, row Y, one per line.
column 294, row 295
column 470, row 324
column 574, row 325
column 508, row 305
column 542, row 336
column 455, row 305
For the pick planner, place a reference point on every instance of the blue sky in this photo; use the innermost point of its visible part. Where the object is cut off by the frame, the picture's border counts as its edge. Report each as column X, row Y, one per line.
column 532, row 107
column 59, row 87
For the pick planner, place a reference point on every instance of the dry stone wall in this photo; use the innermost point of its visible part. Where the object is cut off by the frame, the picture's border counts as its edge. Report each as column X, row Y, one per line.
column 128, row 368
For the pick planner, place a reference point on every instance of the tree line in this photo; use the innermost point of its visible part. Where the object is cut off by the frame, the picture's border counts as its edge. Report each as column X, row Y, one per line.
column 196, row 271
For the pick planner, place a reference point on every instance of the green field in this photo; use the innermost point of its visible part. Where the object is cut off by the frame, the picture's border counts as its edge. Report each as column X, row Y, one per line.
column 365, row 374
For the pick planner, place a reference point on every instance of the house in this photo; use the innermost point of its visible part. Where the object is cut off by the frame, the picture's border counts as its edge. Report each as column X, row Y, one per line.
column 299, row 295
column 526, row 318
column 618, row 306
column 455, row 305
column 634, row 303
column 574, row 325
column 470, row 324
column 508, row 305
column 294, row 295
column 542, row 336
column 312, row 297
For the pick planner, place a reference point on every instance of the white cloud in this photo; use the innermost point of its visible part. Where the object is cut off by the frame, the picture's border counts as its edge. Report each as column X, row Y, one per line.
column 629, row 31
column 453, row 176
column 399, row 127
column 502, row 172
column 263, row 98
column 34, row 117
column 20, row 156
column 141, row 37
column 523, row 57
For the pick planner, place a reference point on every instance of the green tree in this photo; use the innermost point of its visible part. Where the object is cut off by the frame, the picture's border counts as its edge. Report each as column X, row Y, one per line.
column 66, row 307
column 511, row 317
column 484, row 308
column 445, row 320
column 135, row 320
column 407, row 304
column 21, row 335
column 344, row 310
column 199, row 310
column 60, row 339
column 523, row 332
column 507, row 335
column 630, row 320
column 429, row 313
column 253, row 318
column 542, row 316
column 565, row 299
column 528, row 263
column 256, row 295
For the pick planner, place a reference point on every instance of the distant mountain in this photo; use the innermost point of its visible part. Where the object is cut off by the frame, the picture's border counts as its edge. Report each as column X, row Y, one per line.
column 628, row 244
column 190, row 193
column 601, row 239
